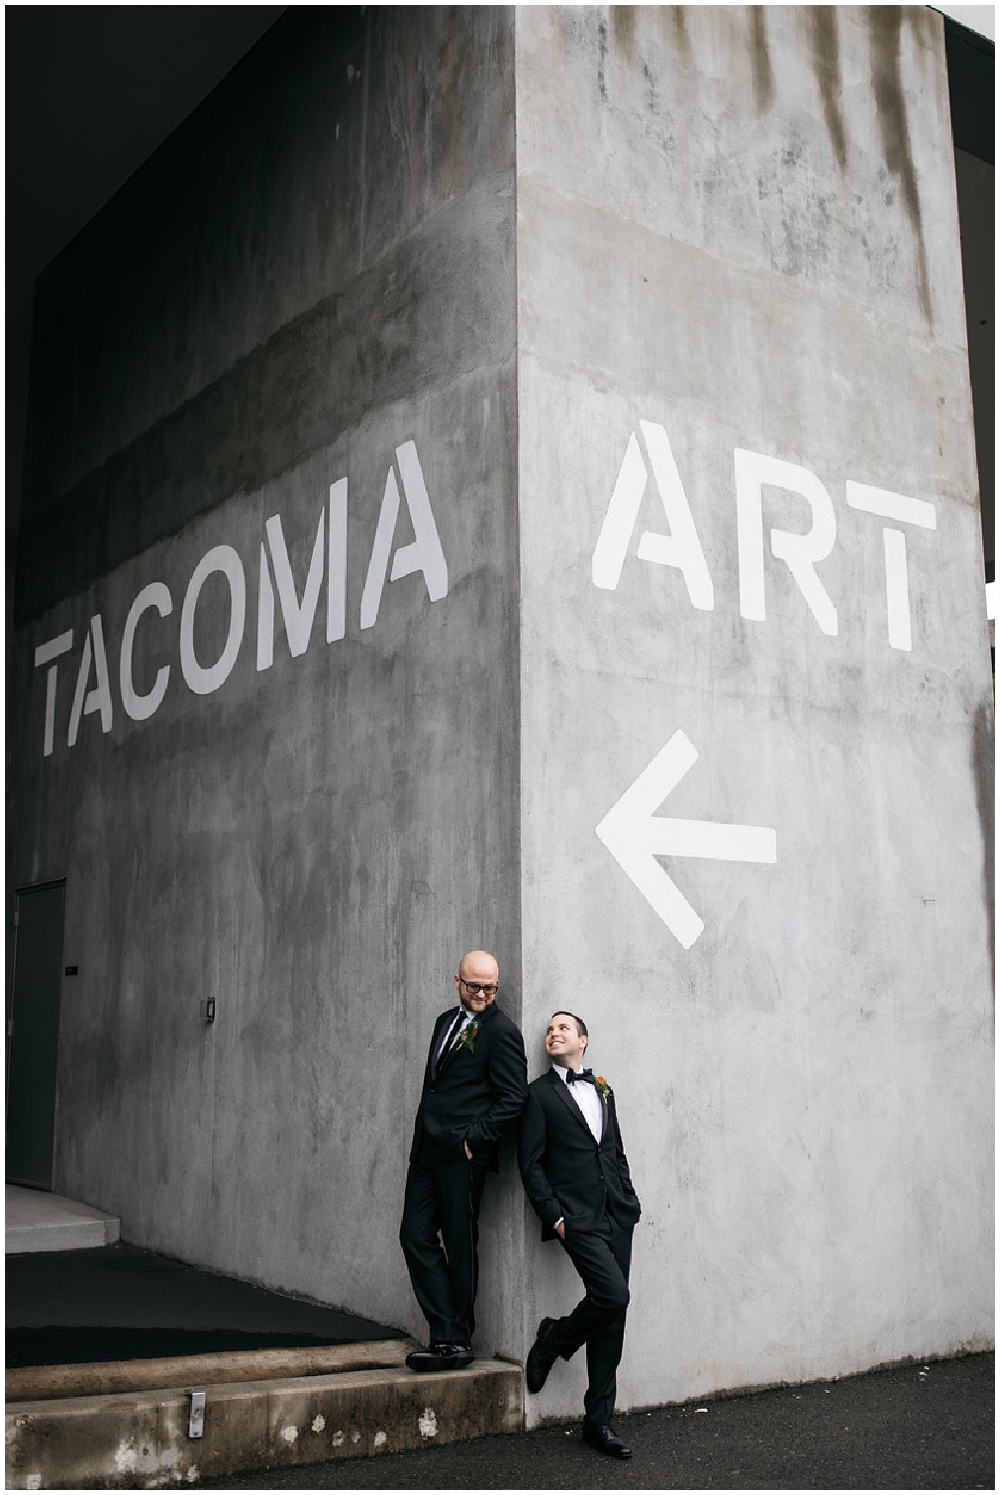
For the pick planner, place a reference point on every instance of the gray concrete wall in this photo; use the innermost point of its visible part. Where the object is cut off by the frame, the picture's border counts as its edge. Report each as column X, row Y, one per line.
column 301, row 310
column 737, row 233
column 692, row 492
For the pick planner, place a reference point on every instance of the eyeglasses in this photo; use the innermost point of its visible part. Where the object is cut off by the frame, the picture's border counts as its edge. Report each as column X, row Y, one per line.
column 488, row 989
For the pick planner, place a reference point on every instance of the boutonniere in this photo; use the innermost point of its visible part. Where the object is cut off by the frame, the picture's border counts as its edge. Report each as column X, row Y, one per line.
column 467, row 1038
column 602, row 1087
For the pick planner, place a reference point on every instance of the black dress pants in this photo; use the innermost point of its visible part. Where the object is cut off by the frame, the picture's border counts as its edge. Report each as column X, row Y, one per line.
column 439, row 1235
column 602, row 1257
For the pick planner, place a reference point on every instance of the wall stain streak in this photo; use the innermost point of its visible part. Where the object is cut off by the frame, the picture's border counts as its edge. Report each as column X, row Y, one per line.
column 826, row 63
column 623, row 25
column 890, row 106
column 602, row 42
column 678, row 21
column 982, row 773
column 760, row 59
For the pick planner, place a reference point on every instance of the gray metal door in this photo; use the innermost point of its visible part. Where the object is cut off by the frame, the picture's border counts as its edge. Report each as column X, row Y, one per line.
column 33, row 1034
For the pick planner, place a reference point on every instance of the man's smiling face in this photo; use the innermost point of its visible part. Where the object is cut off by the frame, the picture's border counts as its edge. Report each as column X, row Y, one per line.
column 564, row 1043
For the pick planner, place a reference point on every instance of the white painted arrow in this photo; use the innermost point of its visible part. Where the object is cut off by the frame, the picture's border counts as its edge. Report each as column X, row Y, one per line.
column 635, row 838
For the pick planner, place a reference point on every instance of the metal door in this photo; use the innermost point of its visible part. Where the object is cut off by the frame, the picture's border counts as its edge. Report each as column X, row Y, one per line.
column 33, row 1033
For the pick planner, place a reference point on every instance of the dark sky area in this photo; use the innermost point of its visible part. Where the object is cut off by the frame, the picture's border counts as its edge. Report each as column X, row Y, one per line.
column 92, row 90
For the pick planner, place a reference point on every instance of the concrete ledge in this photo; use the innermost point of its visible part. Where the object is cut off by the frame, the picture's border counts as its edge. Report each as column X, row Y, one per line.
column 35, row 1221
column 78, row 1235
column 100, row 1378
column 140, row 1441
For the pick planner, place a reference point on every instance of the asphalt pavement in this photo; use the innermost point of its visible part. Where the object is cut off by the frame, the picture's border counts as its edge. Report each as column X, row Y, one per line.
column 921, row 1427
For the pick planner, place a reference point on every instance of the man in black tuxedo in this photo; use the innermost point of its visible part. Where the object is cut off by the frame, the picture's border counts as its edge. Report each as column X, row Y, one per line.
column 576, row 1175
column 475, row 1087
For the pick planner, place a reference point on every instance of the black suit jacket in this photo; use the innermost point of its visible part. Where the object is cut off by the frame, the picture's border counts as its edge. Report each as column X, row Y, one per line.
column 475, row 1095
column 565, row 1172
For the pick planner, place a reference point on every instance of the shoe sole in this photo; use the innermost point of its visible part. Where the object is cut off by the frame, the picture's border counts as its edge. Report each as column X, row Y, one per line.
column 438, row 1363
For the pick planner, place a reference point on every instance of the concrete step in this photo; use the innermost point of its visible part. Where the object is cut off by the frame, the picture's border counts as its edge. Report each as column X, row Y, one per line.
column 36, row 1221
column 140, row 1438
column 108, row 1378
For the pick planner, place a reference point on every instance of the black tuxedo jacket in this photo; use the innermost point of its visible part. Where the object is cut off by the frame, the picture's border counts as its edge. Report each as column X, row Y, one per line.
column 475, row 1095
column 565, row 1172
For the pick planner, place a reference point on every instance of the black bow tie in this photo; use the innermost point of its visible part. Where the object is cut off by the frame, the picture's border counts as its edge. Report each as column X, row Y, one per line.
column 572, row 1075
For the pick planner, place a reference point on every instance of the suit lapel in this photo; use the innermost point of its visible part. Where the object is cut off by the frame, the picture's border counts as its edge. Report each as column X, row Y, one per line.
column 562, row 1090
column 449, row 1058
column 446, row 1059
column 441, row 1027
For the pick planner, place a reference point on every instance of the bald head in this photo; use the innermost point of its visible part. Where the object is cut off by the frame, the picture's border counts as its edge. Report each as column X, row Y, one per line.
column 477, row 980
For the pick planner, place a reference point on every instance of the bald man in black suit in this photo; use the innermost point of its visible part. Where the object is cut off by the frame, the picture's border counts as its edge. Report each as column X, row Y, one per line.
column 475, row 1087
column 577, row 1177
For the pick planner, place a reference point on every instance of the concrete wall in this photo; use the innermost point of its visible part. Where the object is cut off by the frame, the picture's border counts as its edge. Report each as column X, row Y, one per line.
column 640, row 489
column 302, row 308
column 737, row 233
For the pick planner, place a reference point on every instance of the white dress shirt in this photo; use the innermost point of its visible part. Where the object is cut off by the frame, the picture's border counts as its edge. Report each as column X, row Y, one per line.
column 584, row 1093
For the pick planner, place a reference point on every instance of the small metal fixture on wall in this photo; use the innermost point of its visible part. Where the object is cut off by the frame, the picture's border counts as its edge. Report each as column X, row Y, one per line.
column 196, row 1421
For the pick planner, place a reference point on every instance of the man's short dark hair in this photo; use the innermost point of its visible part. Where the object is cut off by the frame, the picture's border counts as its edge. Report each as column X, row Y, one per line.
column 581, row 1026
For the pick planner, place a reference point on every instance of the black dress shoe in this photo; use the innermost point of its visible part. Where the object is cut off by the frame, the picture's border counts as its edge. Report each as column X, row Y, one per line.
column 442, row 1355
column 605, row 1440
column 541, row 1359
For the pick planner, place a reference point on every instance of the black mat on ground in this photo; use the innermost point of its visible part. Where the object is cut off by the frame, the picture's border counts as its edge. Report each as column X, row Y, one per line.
column 122, row 1303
